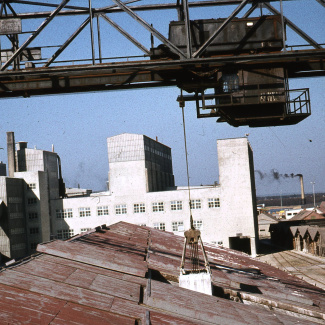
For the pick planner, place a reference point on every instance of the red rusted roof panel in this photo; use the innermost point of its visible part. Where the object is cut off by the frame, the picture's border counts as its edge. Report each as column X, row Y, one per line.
column 75, row 314
column 101, row 278
column 120, row 261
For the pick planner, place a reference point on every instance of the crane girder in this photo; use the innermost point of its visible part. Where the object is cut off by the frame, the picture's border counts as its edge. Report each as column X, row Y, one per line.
column 24, row 72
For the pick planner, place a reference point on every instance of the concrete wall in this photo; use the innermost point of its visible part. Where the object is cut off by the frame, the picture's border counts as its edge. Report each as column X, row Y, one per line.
column 137, row 172
column 138, row 163
column 233, row 216
column 236, row 170
column 26, row 200
column 37, row 189
column 13, row 235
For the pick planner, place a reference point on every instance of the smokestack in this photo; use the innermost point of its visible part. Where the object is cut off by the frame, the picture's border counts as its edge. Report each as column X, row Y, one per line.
column 11, row 153
column 303, row 199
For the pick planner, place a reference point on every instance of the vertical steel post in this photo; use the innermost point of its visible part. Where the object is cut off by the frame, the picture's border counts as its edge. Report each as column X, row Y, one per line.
column 99, row 40
column 283, row 29
column 187, row 29
column 91, row 32
column 152, row 39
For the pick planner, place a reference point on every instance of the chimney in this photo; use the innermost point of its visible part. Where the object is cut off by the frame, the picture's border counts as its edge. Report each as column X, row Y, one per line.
column 22, row 145
column 303, row 199
column 11, row 153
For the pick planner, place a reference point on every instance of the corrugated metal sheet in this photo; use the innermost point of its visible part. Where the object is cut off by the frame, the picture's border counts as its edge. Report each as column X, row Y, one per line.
column 128, row 275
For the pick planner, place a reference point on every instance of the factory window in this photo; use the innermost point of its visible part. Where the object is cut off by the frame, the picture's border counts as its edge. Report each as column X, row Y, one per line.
column 32, row 215
column 159, row 225
column 16, row 215
column 31, row 201
column 102, row 210
column 63, row 214
column 157, row 206
column 230, row 82
column 220, row 243
column 65, row 233
column 139, row 208
column 33, row 246
column 31, row 186
column 17, row 231
column 214, row 203
column 84, row 212
column 33, row 230
column 14, row 199
column 195, row 204
column 198, row 224
column 176, row 205
column 19, row 246
column 178, row 226
column 120, row 209
column 85, row 229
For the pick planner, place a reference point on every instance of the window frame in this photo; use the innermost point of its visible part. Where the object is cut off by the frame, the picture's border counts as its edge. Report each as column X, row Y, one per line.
column 158, row 206
column 176, row 225
column 213, row 202
column 84, row 212
column 102, row 210
column 121, row 209
column 195, row 204
column 176, row 205
column 139, row 208
column 160, row 226
column 195, row 224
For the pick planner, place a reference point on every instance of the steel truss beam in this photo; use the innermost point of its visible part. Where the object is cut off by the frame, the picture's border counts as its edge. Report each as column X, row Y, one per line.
column 34, row 35
column 148, row 74
column 154, row 73
column 295, row 28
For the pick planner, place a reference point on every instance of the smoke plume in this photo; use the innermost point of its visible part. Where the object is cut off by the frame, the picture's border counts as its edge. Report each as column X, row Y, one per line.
column 274, row 174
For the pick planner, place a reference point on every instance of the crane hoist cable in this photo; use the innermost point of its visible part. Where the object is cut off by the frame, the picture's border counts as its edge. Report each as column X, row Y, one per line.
column 192, row 236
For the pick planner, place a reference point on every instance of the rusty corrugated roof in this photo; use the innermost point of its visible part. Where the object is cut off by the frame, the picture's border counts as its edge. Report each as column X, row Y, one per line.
column 128, row 274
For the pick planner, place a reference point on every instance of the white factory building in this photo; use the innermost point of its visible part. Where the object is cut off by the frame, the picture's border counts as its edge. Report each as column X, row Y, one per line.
column 142, row 191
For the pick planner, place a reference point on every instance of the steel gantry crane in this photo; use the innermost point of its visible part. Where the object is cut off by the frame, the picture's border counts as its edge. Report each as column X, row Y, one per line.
column 235, row 68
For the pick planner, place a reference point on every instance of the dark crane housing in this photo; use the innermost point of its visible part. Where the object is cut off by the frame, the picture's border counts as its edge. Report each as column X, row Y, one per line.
column 239, row 96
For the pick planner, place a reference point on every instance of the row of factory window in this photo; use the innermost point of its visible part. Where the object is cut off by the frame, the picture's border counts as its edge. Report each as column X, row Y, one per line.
column 22, row 246
column 176, row 227
column 19, row 231
column 137, row 208
column 157, row 152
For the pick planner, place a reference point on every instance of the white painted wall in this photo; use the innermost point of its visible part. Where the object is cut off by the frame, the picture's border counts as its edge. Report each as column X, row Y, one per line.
column 236, row 214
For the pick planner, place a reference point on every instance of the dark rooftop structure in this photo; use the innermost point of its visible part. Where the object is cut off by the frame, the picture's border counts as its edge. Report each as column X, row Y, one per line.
column 127, row 274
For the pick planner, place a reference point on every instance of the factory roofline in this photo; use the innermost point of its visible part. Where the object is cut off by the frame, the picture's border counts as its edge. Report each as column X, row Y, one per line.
column 143, row 135
column 127, row 274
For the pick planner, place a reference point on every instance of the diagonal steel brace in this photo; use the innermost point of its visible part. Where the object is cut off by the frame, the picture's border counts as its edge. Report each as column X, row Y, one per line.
column 220, row 29
column 150, row 28
column 33, row 36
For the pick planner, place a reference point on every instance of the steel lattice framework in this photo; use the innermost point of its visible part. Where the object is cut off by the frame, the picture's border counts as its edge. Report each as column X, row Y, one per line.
column 25, row 71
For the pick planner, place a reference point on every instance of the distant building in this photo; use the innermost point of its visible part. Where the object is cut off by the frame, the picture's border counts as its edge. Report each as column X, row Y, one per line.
column 308, row 214
column 142, row 191
column 293, row 234
column 33, row 182
column 309, row 239
column 3, row 169
column 291, row 213
column 264, row 221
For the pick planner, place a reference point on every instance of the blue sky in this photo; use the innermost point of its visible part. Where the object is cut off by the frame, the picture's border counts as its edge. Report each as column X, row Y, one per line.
column 79, row 124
